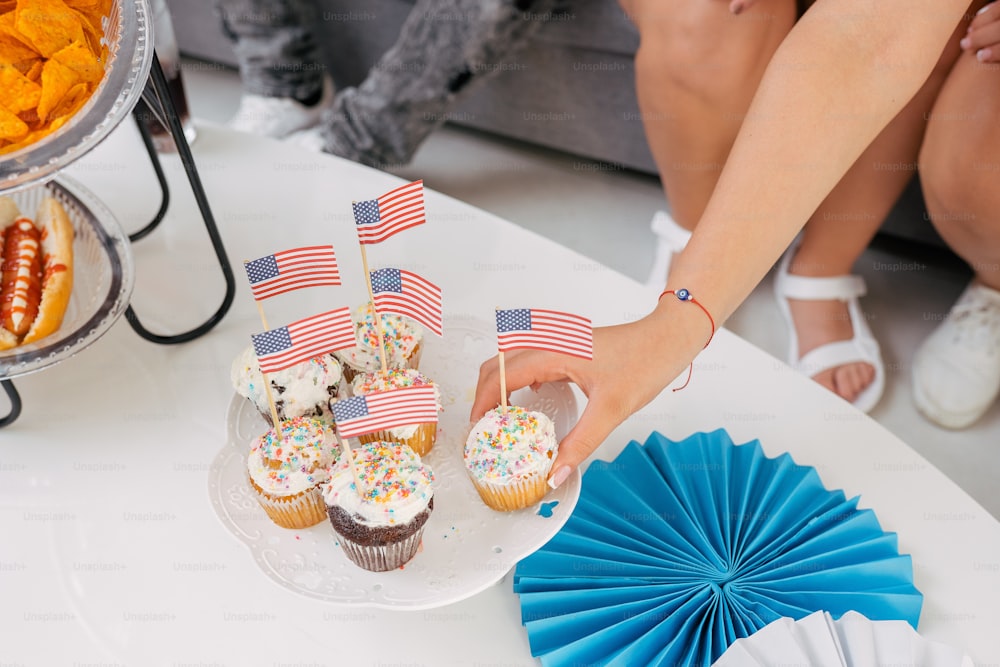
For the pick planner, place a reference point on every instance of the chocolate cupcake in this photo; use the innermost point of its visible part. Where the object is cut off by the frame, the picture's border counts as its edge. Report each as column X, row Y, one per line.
column 380, row 526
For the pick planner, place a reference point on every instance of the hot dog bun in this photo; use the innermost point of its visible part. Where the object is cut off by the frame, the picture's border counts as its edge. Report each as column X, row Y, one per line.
column 57, row 269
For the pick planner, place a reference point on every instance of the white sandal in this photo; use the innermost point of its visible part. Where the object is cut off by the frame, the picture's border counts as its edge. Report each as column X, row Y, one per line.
column 861, row 348
column 672, row 239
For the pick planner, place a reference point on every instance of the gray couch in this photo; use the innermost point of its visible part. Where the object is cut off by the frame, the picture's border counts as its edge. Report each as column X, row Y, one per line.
column 572, row 89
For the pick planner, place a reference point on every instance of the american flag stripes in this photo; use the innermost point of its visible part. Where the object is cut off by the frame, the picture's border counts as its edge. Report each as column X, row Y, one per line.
column 395, row 211
column 405, row 293
column 300, row 341
column 545, row 330
column 309, row 266
column 384, row 410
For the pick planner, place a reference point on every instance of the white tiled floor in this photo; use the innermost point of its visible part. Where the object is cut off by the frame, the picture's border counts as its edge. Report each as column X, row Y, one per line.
column 605, row 214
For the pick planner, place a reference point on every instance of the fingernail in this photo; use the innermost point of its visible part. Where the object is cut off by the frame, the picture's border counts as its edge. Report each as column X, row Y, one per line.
column 965, row 43
column 983, row 54
column 983, row 9
column 558, row 477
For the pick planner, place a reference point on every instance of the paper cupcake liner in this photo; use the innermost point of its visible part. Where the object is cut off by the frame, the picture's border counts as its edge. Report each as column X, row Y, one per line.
column 298, row 511
column 382, row 558
column 510, row 497
column 420, row 442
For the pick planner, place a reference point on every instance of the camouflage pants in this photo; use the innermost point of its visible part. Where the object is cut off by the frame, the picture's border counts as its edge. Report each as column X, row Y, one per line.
column 443, row 47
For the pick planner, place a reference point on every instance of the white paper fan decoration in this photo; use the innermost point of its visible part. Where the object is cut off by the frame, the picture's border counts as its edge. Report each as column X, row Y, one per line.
column 851, row 641
column 677, row 549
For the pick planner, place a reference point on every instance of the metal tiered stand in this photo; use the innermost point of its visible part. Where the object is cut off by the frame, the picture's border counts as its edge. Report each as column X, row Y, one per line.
column 103, row 272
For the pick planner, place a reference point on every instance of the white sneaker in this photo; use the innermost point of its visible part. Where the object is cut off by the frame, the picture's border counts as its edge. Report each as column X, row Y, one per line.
column 672, row 239
column 956, row 372
column 278, row 117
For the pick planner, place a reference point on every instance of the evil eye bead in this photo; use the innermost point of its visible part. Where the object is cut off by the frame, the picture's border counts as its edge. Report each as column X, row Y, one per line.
column 683, row 295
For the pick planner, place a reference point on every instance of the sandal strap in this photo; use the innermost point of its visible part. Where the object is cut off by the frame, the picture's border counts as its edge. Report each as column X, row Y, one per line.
column 669, row 232
column 809, row 288
column 835, row 354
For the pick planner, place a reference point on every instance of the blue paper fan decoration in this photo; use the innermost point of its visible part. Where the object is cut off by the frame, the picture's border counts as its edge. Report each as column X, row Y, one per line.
column 677, row 549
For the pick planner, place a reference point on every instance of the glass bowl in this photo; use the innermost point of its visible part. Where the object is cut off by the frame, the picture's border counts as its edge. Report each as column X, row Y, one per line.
column 103, row 276
column 128, row 34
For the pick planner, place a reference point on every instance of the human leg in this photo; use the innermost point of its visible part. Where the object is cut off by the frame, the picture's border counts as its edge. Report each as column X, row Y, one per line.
column 281, row 67
column 444, row 47
column 694, row 86
column 842, row 228
column 956, row 372
column 697, row 69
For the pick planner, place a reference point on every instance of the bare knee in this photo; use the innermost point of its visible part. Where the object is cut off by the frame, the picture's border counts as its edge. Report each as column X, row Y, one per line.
column 958, row 158
column 700, row 48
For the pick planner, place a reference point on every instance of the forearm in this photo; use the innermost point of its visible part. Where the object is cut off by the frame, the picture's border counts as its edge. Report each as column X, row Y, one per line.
column 838, row 79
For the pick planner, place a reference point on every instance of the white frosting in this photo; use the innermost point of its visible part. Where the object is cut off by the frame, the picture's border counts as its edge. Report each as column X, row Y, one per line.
column 304, row 387
column 305, row 452
column 400, row 334
column 397, row 486
column 396, row 378
column 503, row 448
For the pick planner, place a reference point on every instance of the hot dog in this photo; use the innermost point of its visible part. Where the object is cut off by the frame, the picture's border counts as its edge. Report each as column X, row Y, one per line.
column 37, row 276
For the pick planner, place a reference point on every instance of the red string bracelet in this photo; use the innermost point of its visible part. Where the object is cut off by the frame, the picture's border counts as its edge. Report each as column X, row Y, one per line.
column 685, row 295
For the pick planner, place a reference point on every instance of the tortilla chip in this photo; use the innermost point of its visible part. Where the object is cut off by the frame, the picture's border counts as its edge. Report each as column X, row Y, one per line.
column 34, row 73
column 10, row 33
column 94, row 32
column 49, row 24
column 75, row 98
column 78, row 57
column 19, row 93
column 57, row 79
column 13, row 50
column 12, row 128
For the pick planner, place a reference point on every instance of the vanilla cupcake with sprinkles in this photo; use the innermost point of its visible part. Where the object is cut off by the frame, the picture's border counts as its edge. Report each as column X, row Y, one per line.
column 510, row 451
column 401, row 340
column 508, row 456
column 418, row 436
column 286, row 467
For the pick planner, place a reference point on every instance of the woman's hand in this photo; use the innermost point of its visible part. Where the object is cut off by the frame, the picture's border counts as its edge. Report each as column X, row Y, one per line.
column 983, row 36
column 632, row 364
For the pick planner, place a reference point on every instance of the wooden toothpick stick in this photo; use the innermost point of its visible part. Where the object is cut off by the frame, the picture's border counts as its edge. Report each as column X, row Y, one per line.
column 375, row 313
column 503, row 384
column 274, row 408
column 350, row 462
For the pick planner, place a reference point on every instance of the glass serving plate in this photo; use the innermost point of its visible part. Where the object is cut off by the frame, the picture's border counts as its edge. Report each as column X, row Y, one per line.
column 128, row 34
column 466, row 545
column 103, row 276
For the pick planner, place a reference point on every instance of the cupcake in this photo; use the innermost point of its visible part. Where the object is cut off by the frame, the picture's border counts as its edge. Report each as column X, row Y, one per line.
column 419, row 437
column 286, row 473
column 401, row 337
column 380, row 528
column 302, row 390
column 508, row 456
